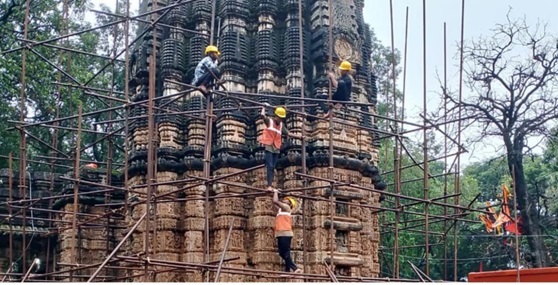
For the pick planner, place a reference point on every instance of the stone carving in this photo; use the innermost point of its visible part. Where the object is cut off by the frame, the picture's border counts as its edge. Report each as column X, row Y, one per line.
column 260, row 54
column 344, row 49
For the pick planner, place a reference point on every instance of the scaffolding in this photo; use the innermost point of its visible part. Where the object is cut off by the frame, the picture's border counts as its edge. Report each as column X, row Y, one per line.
column 18, row 208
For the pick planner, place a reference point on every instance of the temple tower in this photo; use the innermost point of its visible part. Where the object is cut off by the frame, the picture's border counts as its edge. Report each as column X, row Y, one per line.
column 260, row 53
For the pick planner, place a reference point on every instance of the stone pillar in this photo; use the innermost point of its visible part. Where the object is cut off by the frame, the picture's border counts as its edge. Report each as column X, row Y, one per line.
column 139, row 154
column 267, row 50
column 169, row 237
column 268, row 38
column 292, row 161
column 136, row 241
column 226, row 211
column 231, row 125
column 65, row 240
column 229, row 148
column 137, row 170
column 194, row 129
column 137, row 160
column 194, row 222
column 317, row 239
column 193, row 211
column 90, row 243
column 167, row 241
column 263, row 254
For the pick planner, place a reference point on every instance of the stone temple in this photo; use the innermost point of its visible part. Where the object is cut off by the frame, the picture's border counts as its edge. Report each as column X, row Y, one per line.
column 260, row 54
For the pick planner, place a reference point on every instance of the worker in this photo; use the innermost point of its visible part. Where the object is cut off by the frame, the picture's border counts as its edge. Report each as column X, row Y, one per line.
column 206, row 70
column 343, row 85
column 271, row 138
column 284, row 229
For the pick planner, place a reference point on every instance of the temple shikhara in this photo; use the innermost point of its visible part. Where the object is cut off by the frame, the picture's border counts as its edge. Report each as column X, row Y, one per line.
column 200, row 166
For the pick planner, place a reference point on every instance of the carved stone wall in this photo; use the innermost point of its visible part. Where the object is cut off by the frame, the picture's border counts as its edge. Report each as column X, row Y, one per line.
column 193, row 210
column 260, row 53
column 97, row 232
column 259, row 42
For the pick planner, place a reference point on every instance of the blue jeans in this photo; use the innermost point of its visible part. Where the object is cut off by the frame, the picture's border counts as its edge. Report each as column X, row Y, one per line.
column 207, row 78
column 270, row 164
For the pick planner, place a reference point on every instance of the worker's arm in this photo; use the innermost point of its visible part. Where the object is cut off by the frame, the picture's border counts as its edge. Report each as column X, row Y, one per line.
column 264, row 117
column 278, row 203
column 334, row 81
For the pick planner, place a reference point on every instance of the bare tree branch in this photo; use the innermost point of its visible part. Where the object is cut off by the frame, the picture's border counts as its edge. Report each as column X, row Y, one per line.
column 512, row 77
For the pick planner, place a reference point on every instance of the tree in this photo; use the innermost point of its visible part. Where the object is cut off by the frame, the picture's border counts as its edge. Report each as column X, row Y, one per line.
column 490, row 175
column 512, row 79
column 382, row 67
column 46, row 21
column 550, row 159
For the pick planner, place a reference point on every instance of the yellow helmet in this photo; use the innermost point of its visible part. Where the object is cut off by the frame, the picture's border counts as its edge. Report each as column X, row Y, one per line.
column 292, row 200
column 280, row 112
column 209, row 49
column 345, row 65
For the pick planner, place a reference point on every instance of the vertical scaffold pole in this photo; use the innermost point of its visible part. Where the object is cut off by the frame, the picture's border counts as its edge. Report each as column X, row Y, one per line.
column 330, row 168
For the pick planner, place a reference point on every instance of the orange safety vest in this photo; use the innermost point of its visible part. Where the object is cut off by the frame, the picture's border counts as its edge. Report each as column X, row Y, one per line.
column 272, row 135
column 283, row 221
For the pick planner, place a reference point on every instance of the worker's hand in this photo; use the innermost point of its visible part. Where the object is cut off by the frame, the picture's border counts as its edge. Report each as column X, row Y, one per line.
column 267, row 104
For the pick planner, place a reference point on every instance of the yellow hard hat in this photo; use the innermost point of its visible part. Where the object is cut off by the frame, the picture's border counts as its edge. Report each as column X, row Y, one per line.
column 345, row 65
column 292, row 200
column 281, row 112
column 209, row 49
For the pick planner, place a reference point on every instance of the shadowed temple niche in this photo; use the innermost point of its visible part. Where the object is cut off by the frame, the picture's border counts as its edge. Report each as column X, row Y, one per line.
column 260, row 54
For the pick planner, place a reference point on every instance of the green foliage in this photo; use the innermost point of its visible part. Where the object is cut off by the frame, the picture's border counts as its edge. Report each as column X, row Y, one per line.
column 382, row 64
column 49, row 72
column 489, row 176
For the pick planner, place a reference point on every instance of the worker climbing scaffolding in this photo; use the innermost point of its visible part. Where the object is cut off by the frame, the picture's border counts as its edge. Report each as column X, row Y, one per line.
column 207, row 71
column 342, row 85
column 272, row 139
column 284, row 229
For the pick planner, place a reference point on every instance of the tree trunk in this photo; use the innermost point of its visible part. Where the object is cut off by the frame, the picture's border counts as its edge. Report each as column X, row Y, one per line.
column 531, row 225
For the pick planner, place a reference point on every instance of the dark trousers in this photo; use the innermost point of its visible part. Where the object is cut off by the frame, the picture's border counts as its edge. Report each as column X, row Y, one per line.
column 207, row 78
column 335, row 97
column 284, row 246
column 270, row 164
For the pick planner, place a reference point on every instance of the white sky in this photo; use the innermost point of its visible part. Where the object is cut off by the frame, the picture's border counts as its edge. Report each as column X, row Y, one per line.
column 480, row 17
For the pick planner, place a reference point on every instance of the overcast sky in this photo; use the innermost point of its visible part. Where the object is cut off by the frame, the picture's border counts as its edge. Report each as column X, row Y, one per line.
column 480, row 17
